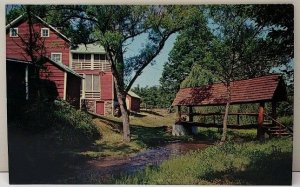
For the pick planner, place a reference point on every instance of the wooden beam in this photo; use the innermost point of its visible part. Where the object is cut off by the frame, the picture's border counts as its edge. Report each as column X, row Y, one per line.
column 26, row 83
column 274, row 113
column 178, row 113
column 211, row 125
column 222, row 113
column 191, row 115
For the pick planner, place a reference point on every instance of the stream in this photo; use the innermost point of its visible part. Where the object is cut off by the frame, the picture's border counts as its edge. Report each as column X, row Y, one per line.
column 104, row 169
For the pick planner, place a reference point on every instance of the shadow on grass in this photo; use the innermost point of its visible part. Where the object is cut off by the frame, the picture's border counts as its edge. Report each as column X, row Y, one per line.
column 137, row 115
column 35, row 159
column 271, row 169
column 151, row 136
column 152, row 112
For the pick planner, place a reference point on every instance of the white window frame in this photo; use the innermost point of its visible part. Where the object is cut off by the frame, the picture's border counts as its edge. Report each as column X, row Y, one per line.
column 42, row 29
column 57, row 54
column 10, row 32
column 91, row 94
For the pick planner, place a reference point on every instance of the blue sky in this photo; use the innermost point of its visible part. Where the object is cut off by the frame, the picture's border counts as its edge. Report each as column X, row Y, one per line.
column 151, row 73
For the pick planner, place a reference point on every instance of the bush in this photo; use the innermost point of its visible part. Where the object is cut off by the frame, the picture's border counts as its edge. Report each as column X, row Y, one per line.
column 287, row 120
column 59, row 122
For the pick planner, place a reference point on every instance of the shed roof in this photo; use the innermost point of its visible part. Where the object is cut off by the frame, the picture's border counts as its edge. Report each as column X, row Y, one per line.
column 57, row 64
column 264, row 88
column 132, row 94
column 89, row 48
column 64, row 67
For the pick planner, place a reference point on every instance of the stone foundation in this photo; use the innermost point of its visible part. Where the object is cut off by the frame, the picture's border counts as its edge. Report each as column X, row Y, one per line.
column 108, row 107
column 89, row 105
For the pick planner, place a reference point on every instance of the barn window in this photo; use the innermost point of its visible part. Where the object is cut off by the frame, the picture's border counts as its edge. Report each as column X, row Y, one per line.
column 13, row 32
column 45, row 32
column 92, row 86
column 101, row 62
column 56, row 57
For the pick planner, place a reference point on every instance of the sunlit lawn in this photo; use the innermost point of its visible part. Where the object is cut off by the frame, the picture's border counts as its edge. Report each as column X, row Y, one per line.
column 261, row 163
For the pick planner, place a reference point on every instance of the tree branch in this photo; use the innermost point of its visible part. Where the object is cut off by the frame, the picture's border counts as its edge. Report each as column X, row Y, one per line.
column 159, row 48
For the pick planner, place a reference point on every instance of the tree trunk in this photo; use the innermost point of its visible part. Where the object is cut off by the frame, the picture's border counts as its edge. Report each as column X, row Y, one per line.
column 223, row 139
column 125, row 117
column 225, row 120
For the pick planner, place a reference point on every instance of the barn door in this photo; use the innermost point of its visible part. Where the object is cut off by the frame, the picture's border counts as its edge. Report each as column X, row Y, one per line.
column 100, row 107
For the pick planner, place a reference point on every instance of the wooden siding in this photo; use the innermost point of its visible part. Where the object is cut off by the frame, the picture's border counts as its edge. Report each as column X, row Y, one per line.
column 52, row 44
column 106, row 81
column 133, row 103
column 56, row 75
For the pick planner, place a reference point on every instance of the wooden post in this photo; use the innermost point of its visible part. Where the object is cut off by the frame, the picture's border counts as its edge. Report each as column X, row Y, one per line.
column 26, row 83
column 238, row 119
column 260, row 120
column 191, row 114
column 274, row 114
column 178, row 113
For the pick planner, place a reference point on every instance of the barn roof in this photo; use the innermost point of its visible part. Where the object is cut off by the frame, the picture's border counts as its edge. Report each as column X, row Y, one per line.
column 89, row 48
column 64, row 67
column 57, row 64
column 132, row 94
column 22, row 18
column 265, row 88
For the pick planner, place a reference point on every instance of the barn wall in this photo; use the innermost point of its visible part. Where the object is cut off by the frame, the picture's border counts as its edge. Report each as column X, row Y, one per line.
column 135, row 104
column 56, row 75
column 53, row 43
column 106, row 81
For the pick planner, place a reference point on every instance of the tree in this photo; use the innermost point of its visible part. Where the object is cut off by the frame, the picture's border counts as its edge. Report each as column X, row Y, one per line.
column 190, row 46
column 239, row 48
column 152, row 96
column 114, row 26
column 198, row 77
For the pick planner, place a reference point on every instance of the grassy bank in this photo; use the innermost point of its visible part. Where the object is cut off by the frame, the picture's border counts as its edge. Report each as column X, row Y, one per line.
column 268, row 163
column 148, row 128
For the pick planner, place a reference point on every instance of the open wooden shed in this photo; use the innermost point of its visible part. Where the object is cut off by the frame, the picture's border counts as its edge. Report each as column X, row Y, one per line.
column 270, row 88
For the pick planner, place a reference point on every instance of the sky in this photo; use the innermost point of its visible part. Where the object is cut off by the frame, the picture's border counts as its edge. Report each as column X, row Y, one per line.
column 152, row 73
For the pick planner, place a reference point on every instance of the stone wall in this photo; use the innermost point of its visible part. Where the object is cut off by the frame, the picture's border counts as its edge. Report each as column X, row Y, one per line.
column 108, row 107
column 89, row 105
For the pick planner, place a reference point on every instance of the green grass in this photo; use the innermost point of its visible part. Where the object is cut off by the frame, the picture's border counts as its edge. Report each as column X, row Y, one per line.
column 110, row 144
column 147, row 129
column 267, row 163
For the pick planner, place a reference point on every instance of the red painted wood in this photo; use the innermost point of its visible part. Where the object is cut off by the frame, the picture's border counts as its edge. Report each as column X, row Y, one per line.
column 100, row 107
column 15, row 49
column 56, row 75
column 53, row 44
column 106, row 82
column 133, row 103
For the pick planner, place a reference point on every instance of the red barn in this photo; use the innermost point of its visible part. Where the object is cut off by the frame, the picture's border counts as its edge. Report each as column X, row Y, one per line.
column 49, row 47
column 97, row 91
column 133, row 101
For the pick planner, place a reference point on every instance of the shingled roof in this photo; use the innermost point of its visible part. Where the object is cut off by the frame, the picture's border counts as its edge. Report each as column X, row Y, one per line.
column 265, row 88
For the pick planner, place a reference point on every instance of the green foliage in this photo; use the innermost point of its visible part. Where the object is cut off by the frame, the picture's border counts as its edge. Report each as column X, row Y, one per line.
column 228, row 164
column 287, row 120
column 198, row 77
column 233, row 42
column 191, row 46
column 154, row 96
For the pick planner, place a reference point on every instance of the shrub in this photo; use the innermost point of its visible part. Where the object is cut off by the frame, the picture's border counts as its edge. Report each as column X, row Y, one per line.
column 59, row 122
column 286, row 120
